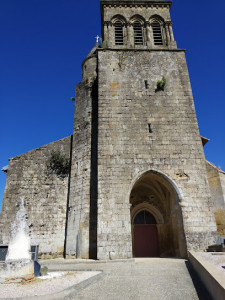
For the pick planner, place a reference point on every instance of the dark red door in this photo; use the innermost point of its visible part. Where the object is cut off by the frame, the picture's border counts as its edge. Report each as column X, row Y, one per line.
column 146, row 241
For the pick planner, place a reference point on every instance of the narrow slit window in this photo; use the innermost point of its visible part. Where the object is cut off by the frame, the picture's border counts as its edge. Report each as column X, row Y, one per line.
column 149, row 127
column 146, row 84
column 138, row 36
column 157, row 34
column 118, row 33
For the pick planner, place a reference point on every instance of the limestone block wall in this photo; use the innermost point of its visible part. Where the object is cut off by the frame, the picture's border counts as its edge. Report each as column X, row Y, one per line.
column 78, row 237
column 216, row 179
column 222, row 181
column 45, row 196
column 129, row 106
column 220, row 221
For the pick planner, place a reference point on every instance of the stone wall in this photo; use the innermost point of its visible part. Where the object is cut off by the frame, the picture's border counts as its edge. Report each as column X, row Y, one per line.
column 45, row 195
column 216, row 179
column 80, row 217
column 130, row 105
column 222, row 181
column 220, row 221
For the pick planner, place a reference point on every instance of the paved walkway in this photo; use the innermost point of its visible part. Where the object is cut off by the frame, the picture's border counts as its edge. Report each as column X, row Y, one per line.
column 139, row 279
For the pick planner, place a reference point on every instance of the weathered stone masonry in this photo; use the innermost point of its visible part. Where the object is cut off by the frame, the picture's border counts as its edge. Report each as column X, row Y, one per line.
column 127, row 149
column 135, row 151
column 45, row 196
column 81, row 171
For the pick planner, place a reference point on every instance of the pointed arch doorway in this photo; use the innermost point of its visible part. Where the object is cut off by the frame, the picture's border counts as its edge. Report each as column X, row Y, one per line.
column 146, row 243
column 156, row 218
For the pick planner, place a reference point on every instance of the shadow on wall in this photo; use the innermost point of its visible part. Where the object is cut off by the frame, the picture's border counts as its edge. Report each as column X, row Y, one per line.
column 198, row 284
column 94, row 175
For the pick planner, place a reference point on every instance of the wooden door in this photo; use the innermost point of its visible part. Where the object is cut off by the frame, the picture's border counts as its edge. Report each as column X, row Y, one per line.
column 146, row 242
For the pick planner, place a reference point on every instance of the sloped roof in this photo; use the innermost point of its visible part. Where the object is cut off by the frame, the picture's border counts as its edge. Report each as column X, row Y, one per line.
column 93, row 50
column 204, row 140
column 215, row 167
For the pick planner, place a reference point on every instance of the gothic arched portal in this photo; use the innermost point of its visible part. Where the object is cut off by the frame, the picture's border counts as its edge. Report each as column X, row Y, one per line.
column 156, row 217
column 145, row 235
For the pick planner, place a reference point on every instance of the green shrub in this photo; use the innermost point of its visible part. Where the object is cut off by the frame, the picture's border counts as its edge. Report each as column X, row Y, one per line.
column 161, row 83
column 59, row 163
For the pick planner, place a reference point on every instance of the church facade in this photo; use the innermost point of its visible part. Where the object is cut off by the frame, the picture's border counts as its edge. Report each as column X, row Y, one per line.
column 138, row 183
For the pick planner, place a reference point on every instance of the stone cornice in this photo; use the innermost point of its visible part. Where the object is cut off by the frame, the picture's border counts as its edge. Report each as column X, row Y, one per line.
column 135, row 3
column 136, row 50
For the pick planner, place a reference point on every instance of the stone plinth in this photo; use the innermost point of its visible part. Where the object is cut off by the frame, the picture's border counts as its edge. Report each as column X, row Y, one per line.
column 17, row 268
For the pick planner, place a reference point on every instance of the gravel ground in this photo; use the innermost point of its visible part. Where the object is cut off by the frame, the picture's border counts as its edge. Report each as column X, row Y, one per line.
column 215, row 258
column 44, row 287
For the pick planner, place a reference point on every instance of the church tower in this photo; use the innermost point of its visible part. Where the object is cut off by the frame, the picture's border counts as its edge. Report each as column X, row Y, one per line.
column 138, row 182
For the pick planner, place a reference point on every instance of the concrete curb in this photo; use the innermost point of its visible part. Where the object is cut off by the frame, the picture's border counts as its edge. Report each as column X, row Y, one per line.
column 88, row 261
column 66, row 292
column 213, row 279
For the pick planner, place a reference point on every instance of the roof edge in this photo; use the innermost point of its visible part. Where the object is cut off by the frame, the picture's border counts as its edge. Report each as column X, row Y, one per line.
column 215, row 167
column 136, row 2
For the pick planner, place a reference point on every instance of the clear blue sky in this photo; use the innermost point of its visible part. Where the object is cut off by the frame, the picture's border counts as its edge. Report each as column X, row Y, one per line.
column 43, row 43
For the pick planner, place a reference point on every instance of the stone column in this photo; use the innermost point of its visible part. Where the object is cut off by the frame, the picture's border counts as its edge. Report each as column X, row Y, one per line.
column 125, row 35
column 106, row 35
column 163, row 34
column 167, row 33
column 130, row 41
column 172, row 43
column 171, row 31
column 148, row 35
column 151, row 36
column 111, row 35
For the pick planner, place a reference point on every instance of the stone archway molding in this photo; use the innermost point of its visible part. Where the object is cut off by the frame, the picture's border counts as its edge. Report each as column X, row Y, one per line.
column 164, row 176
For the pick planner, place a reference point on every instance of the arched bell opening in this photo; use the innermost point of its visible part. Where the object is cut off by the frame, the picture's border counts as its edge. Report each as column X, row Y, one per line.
column 155, row 204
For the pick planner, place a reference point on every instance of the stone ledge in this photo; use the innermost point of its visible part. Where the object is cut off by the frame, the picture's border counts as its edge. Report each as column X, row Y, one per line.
column 212, row 278
column 59, row 261
column 136, row 3
column 142, row 50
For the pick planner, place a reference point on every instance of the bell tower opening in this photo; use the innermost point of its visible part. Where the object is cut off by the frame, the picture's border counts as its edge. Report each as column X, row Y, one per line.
column 118, row 33
column 157, row 34
column 138, row 36
column 137, row 24
column 156, row 218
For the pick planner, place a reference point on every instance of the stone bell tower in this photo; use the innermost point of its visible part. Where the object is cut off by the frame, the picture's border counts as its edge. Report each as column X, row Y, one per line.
column 138, row 167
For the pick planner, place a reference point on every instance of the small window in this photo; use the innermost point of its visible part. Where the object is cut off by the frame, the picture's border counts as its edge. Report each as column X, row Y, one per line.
column 138, row 37
column 118, row 33
column 157, row 34
column 146, row 84
column 149, row 127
